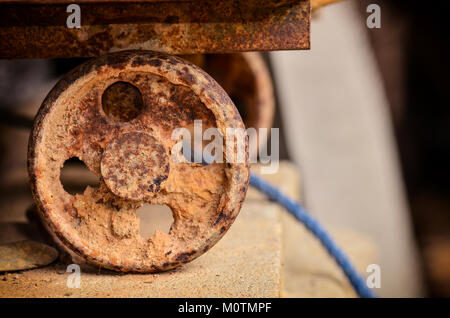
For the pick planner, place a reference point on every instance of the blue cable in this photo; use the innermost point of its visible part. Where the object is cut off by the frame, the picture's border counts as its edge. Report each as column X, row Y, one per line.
column 314, row 227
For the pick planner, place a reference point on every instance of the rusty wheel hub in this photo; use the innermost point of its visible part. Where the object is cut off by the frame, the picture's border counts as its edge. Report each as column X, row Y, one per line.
column 116, row 113
column 145, row 167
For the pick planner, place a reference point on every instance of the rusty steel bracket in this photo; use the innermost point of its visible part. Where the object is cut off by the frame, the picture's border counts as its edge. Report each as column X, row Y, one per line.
column 37, row 28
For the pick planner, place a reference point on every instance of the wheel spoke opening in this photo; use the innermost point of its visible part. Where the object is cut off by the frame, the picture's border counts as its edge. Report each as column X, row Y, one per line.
column 75, row 177
column 122, row 102
column 154, row 218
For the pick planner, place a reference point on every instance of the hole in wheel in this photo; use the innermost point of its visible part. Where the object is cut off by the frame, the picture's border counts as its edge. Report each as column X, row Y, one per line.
column 122, row 102
column 154, row 217
column 75, row 177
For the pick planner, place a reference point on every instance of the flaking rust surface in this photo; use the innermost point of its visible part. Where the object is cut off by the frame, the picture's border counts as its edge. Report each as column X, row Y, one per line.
column 245, row 263
column 174, row 27
column 134, row 162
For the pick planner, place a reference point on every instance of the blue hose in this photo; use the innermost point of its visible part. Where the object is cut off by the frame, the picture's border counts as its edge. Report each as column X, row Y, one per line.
column 314, row 227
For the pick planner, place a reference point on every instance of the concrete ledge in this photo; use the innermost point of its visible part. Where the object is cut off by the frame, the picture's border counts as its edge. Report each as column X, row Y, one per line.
column 245, row 263
column 308, row 270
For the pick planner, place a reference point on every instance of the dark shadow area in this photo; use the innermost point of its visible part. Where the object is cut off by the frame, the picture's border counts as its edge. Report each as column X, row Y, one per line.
column 413, row 48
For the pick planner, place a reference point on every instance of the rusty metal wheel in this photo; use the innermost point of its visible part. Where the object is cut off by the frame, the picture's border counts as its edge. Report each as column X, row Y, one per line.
column 116, row 113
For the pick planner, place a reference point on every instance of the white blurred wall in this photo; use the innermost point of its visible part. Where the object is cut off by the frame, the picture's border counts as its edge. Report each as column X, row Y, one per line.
column 339, row 132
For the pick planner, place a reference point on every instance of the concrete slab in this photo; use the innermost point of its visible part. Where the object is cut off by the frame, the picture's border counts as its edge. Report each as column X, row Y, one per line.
column 308, row 270
column 245, row 263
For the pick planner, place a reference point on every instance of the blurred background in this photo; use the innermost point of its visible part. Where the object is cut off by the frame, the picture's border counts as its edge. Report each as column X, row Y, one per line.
column 364, row 114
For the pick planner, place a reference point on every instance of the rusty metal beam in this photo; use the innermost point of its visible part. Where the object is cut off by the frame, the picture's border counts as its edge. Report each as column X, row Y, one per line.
column 37, row 28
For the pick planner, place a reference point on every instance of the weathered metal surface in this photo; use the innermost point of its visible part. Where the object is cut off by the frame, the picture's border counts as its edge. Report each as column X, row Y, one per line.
column 182, row 27
column 144, row 171
column 130, row 158
column 25, row 255
column 246, row 79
